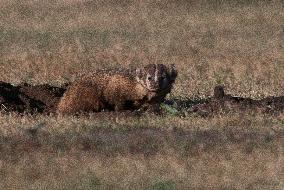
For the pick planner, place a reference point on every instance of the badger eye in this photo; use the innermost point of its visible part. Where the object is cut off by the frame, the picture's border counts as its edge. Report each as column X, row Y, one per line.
column 149, row 78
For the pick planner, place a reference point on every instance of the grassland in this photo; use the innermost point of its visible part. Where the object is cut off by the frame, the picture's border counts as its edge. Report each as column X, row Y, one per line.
column 149, row 152
column 235, row 43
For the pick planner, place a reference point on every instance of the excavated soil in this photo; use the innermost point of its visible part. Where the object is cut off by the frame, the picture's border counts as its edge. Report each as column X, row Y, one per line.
column 29, row 99
column 221, row 102
column 26, row 98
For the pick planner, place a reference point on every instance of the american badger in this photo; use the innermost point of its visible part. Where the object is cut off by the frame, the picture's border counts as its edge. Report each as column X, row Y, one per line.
column 117, row 91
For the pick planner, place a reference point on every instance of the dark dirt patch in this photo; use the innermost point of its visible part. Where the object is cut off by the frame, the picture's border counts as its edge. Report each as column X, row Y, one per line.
column 47, row 95
column 10, row 99
column 28, row 98
column 44, row 99
column 222, row 102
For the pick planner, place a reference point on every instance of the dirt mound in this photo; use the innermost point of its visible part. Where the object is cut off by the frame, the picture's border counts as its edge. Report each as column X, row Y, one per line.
column 28, row 98
column 222, row 102
column 47, row 95
column 44, row 99
column 10, row 98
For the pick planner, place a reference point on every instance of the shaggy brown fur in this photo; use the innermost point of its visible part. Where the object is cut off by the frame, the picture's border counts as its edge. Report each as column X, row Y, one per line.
column 106, row 91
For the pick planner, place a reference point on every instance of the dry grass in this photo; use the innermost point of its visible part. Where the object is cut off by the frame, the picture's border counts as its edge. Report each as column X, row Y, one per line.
column 235, row 43
column 239, row 44
column 149, row 152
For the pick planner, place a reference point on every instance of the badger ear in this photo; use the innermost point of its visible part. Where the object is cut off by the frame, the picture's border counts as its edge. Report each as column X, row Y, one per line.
column 172, row 72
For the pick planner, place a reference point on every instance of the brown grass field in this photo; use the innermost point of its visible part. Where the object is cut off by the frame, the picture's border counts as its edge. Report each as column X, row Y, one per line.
column 235, row 43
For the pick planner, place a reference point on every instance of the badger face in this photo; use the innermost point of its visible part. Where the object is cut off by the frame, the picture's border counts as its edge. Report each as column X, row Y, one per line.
column 156, row 77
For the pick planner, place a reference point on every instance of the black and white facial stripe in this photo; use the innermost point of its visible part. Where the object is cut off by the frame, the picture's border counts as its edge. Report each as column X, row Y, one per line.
column 155, row 76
